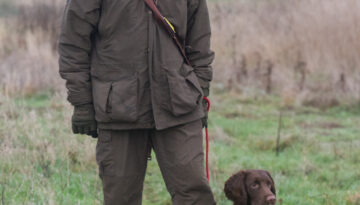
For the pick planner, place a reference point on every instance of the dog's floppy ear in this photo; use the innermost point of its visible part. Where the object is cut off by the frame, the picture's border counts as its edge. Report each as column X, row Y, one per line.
column 235, row 189
column 273, row 190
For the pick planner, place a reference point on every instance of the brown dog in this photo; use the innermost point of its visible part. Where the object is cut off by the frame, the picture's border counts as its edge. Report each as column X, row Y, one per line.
column 251, row 187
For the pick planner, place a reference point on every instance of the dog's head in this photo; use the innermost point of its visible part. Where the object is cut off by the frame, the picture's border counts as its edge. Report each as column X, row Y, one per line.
column 251, row 187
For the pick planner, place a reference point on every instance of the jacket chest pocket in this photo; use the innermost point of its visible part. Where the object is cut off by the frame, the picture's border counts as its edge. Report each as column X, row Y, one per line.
column 116, row 101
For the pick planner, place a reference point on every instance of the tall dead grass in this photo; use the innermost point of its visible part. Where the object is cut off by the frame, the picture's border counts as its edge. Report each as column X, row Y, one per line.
column 305, row 51
column 28, row 59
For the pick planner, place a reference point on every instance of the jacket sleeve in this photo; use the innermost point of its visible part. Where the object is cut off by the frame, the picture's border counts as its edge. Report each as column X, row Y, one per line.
column 197, row 43
column 78, row 25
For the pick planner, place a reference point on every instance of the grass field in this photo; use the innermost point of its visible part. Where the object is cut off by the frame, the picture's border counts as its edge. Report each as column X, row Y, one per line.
column 41, row 162
column 278, row 55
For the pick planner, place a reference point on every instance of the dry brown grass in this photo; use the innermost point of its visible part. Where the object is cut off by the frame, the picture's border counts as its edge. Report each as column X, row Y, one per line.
column 354, row 199
column 28, row 59
column 305, row 51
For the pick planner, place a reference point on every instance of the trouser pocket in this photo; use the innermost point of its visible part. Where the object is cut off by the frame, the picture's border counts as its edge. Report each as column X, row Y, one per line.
column 104, row 156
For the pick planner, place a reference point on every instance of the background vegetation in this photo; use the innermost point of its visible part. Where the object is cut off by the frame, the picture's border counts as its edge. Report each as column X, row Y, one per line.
column 298, row 58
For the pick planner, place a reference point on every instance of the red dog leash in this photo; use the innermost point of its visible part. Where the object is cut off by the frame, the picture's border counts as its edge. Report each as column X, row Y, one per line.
column 207, row 141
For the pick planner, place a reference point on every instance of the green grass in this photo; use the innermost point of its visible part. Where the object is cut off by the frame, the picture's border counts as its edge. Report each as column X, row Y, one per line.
column 41, row 162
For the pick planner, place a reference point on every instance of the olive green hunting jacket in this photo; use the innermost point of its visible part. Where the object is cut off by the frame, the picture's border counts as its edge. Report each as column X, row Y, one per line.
column 115, row 55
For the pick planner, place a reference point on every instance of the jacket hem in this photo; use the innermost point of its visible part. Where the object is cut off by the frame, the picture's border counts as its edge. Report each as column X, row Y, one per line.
column 125, row 126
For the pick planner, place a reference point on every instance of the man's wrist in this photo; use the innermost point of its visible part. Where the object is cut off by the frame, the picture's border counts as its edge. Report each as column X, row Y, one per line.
column 206, row 91
column 87, row 105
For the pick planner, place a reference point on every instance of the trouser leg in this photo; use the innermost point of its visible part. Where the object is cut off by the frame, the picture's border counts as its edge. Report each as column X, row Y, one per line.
column 181, row 159
column 122, row 160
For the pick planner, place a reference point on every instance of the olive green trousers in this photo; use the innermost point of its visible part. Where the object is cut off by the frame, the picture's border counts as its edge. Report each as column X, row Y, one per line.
column 122, row 157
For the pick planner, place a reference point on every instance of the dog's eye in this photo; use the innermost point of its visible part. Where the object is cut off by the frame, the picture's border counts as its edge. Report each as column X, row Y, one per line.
column 254, row 185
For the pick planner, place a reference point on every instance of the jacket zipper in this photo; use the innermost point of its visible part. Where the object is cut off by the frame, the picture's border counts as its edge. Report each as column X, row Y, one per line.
column 151, row 30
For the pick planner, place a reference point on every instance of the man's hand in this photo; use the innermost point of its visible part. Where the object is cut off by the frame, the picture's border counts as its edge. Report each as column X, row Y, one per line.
column 83, row 120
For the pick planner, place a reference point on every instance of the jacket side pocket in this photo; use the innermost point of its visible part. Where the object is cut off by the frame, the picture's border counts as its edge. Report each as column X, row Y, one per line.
column 185, row 91
column 123, row 100
column 101, row 91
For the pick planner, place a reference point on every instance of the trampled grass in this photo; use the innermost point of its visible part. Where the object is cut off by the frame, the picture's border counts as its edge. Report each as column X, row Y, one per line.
column 41, row 162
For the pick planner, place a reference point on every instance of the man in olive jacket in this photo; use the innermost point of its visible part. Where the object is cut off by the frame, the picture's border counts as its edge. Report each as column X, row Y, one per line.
column 129, row 84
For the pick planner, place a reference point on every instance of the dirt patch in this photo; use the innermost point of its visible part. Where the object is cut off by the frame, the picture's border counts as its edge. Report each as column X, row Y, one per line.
column 234, row 115
column 321, row 125
column 270, row 143
column 330, row 125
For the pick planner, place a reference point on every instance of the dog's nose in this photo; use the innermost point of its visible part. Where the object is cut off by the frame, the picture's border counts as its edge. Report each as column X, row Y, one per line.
column 271, row 199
